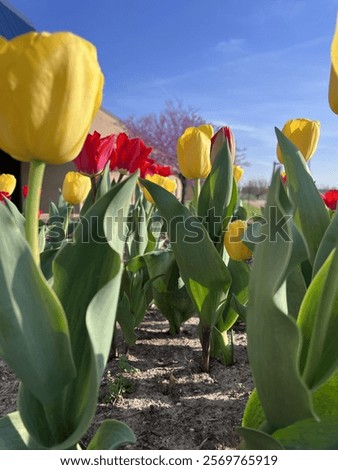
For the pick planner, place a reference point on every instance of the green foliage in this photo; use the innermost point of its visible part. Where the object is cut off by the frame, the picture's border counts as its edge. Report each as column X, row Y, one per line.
column 292, row 339
column 196, row 241
column 57, row 338
column 169, row 291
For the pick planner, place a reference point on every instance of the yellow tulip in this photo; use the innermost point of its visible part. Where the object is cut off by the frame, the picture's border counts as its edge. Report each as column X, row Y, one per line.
column 333, row 85
column 193, row 151
column 304, row 133
column 238, row 172
column 7, row 183
column 232, row 241
column 51, row 88
column 167, row 183
column 75, row 187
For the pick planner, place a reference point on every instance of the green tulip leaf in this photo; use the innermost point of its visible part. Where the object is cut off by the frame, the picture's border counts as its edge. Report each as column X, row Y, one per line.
column 325, row 403
column 328, row 243
column 221, row 347
column 240, row 309
column 216, row 191
column 16, row 214
column 325, row 399
column 34, row 335
column 273, row 337
column 14, row 435
column 310, row 434
column 126, row 320
column 89, row 295
column 253, row 416
column 111, row 435
column 138, row 238
column 103, row 184
column 46, row 263
column 203, row 271
column 311, row 216
column 169, row 292
column 295, row 291
column 257, row 440
column 318, row 321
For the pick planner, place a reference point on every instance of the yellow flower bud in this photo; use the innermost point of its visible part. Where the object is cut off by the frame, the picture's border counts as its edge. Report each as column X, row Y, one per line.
column 238, row 172
column 75, row 187
column 232, row 241
column 193, row 151
column 304, row 134
column 333, row 85
column 167, row 183
column 7, row 184
column 51, row 88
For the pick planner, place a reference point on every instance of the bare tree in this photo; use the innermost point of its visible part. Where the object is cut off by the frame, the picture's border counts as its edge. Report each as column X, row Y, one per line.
column 161, row 131
column 255, row 189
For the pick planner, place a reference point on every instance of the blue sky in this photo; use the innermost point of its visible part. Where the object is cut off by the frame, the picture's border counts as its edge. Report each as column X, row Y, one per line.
column 250, row 64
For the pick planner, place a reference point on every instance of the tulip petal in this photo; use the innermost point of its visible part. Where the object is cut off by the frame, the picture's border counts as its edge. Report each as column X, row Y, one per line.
column 333, row 85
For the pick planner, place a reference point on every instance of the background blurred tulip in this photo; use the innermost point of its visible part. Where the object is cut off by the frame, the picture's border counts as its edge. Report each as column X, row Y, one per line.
column 333, row 85
column 330, row 199
column 7, row 183
column 167, row 183
column 75, row 187
column 193, row 151
column 233, row 241
column 95, row 153
column 304, row 134
column 150, row 167
column 51, row 88
column 238, row 172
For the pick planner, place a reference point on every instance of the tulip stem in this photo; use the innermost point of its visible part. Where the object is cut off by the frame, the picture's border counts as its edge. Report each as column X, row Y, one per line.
column 94, row 186
column 67, row 218
column 197, row 190
column 36, row 172
column 206, row 347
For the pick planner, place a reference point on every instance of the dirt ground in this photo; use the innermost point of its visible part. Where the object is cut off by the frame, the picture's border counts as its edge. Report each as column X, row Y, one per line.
column 161, row 392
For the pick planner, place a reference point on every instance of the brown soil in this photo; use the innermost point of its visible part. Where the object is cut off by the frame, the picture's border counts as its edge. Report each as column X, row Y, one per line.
column 168, row 401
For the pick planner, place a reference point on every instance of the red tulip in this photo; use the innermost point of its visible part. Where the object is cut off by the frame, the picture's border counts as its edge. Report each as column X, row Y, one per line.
column 331, row 198
column 95, row 153
column 4, row 195
column 227, row 134
column 128, row 154
column 151, row 168
column 25, row 191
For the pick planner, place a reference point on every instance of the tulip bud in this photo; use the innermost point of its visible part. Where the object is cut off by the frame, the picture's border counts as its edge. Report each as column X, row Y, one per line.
column 232, row 241
column 7, row 184
column 304, row 134
column 167, row 183
column 222, row 135
column 75, row 187
column 4, row 195
column 331, row 199
column 238, row 172
column 193, row 151
column 333, row 85
column 51, row 88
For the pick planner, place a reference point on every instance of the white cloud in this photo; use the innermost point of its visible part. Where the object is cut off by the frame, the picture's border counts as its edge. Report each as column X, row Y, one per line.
column 233, row 45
